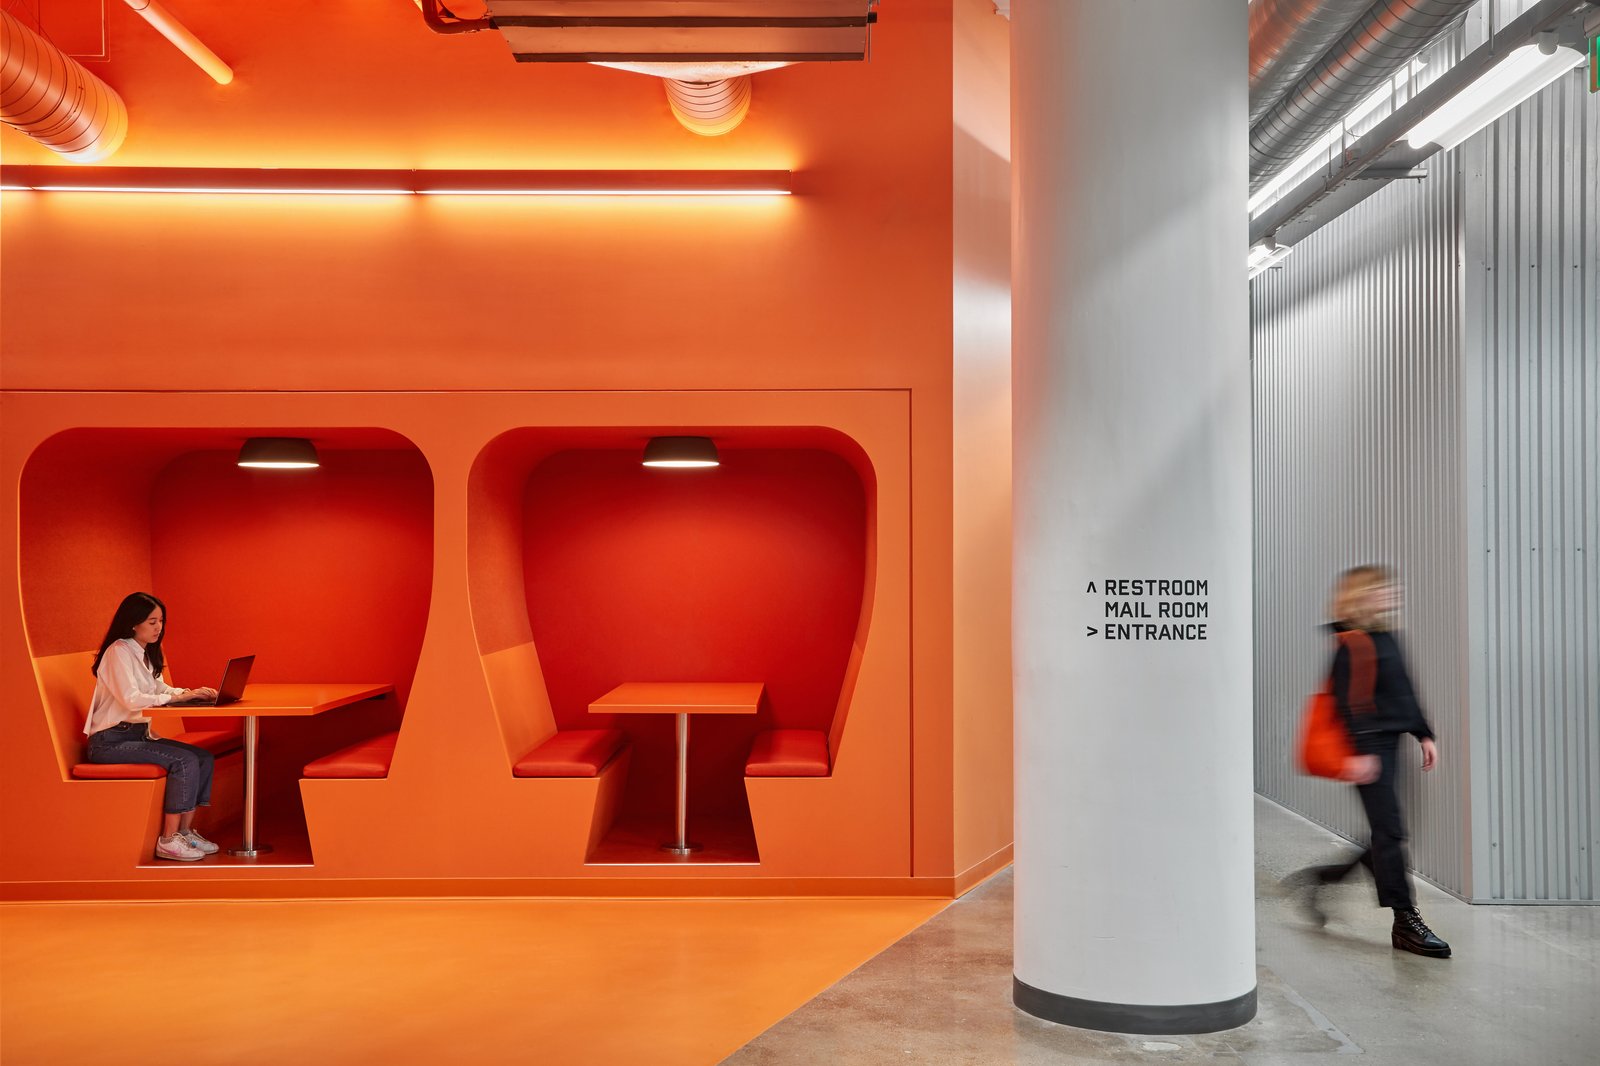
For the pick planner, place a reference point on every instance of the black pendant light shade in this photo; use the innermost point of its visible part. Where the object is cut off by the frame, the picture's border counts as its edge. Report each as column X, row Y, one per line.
column 684, row 453
column 279, row 453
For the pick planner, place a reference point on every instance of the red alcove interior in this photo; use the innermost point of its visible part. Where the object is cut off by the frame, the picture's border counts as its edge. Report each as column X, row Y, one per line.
column 752, row 571
column 323, row 575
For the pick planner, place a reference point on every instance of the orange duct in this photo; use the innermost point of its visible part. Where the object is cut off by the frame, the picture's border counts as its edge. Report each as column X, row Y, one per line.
column 54, row 99
column 709, row 108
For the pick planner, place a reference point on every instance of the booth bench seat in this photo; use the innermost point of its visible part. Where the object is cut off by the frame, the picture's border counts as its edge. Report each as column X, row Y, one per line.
column 218, row 742
column 572, row 753
column 68, row 690
column 117, row 771
column 365, row 758
column 788, row 753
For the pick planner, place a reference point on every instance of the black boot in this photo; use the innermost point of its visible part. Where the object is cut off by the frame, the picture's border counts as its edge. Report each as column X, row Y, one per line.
column 1412, row 934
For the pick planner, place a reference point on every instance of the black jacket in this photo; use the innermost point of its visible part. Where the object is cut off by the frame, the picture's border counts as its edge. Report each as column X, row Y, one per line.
column 1393, row 709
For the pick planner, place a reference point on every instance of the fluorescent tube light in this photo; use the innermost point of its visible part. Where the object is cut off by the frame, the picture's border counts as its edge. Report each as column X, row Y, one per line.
column 1267, row 255
column 1521, row 74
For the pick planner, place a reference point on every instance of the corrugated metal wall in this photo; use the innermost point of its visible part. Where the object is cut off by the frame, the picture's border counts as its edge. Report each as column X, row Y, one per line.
column 1427, row 374
column 1356, row 348
column 1531, row 403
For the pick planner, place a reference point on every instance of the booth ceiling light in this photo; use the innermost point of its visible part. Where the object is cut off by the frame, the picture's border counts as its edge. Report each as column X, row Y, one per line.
column 324, row 182
column 279, row 453
column 682, row 453
column 1521, row 74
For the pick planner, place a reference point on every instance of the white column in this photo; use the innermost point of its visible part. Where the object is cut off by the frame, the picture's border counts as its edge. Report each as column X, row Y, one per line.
column 1134, row 837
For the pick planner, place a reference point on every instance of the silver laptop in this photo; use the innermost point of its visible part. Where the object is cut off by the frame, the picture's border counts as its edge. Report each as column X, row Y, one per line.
column 232, row 687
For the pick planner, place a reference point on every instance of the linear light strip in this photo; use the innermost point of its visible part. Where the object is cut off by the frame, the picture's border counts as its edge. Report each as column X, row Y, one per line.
column 1526, row 71
column 328, row 182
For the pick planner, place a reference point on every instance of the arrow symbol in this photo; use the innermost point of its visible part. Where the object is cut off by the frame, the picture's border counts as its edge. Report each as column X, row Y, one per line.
column 1092, row 631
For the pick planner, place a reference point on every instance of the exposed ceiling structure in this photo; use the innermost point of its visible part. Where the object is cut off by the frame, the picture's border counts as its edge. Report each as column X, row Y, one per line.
column 1378, row 50
column 704, row 50
column 1379, row 42
column 683, row 31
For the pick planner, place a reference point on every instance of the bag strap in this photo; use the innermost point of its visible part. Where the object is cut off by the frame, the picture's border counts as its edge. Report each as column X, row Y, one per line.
column 1363, row 669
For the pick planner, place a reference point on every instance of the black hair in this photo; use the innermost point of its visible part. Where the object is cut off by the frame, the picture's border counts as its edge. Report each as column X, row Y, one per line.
column 135, row 608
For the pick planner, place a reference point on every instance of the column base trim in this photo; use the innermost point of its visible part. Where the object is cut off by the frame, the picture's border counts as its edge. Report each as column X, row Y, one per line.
column 1131, row 1017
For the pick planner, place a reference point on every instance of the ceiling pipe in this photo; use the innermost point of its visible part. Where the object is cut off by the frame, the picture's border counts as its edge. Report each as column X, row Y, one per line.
column 433, row 13
column 1383, row 153
column 54, row 99
column 1369, row 53
column 183, row 39
column 1286, row 37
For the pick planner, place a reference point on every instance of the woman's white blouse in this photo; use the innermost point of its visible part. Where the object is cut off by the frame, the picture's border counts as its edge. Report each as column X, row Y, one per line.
column 125, row 688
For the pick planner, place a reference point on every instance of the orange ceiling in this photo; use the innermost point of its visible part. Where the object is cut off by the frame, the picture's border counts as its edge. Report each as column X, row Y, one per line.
column 356, row 83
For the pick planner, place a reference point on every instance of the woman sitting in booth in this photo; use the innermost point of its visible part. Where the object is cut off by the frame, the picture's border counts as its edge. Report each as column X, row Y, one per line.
column 128, row 683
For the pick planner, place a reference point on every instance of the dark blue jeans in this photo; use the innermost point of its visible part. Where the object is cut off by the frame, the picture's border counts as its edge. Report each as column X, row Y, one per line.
column 188, row 767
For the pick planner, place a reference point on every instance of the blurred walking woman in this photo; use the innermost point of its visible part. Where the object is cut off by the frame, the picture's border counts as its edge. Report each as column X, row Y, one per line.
column 1378, row 705
column 128, row 683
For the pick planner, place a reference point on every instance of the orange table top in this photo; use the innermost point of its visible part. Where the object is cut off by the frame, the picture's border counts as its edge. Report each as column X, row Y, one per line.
column 283, row 700
column 680, row 697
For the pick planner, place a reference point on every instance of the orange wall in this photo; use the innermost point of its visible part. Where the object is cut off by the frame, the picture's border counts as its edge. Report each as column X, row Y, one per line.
column 981, row 419
column 841, row 287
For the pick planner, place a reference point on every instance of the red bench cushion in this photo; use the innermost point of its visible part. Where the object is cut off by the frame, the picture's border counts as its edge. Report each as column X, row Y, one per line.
column 216, row 741
column 788, row 753
column 117, row 771
column 368, row 758
column 571, row 753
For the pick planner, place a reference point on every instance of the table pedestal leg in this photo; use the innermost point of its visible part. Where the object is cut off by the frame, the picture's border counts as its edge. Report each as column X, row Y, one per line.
column 248, row 847
column 680, row 845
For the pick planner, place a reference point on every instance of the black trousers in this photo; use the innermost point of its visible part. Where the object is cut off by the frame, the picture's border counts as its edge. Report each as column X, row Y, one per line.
column 1385, row 857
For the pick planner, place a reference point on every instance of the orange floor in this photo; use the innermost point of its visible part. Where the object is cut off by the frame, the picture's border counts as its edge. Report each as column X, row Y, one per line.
column 422, row 981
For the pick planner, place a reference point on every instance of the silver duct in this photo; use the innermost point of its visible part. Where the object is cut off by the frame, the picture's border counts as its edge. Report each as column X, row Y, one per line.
column 1371, row 51
column 1286, row 37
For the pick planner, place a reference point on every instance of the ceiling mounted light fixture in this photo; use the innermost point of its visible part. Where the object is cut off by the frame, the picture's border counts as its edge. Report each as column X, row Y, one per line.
column 1267, row 255
column 278, row 453
column 329, row 182
column 1514, row 79
column 681, row 453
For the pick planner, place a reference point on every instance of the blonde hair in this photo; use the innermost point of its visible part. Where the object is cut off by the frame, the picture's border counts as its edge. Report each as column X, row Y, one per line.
column 1350, row 595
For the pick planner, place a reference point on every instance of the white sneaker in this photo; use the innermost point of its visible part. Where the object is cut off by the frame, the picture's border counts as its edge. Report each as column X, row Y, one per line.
column 193, row 838
column 177, row 849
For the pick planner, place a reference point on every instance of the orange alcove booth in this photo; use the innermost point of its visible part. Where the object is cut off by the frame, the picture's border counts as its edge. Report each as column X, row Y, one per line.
column 322, row 575
column 503, row 570
column 590, row 570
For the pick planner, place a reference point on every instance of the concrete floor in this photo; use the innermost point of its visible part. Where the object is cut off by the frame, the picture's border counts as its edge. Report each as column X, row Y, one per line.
column 1523, row 987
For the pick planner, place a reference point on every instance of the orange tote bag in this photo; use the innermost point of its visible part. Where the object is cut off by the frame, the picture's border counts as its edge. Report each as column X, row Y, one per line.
column 1325, row 743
